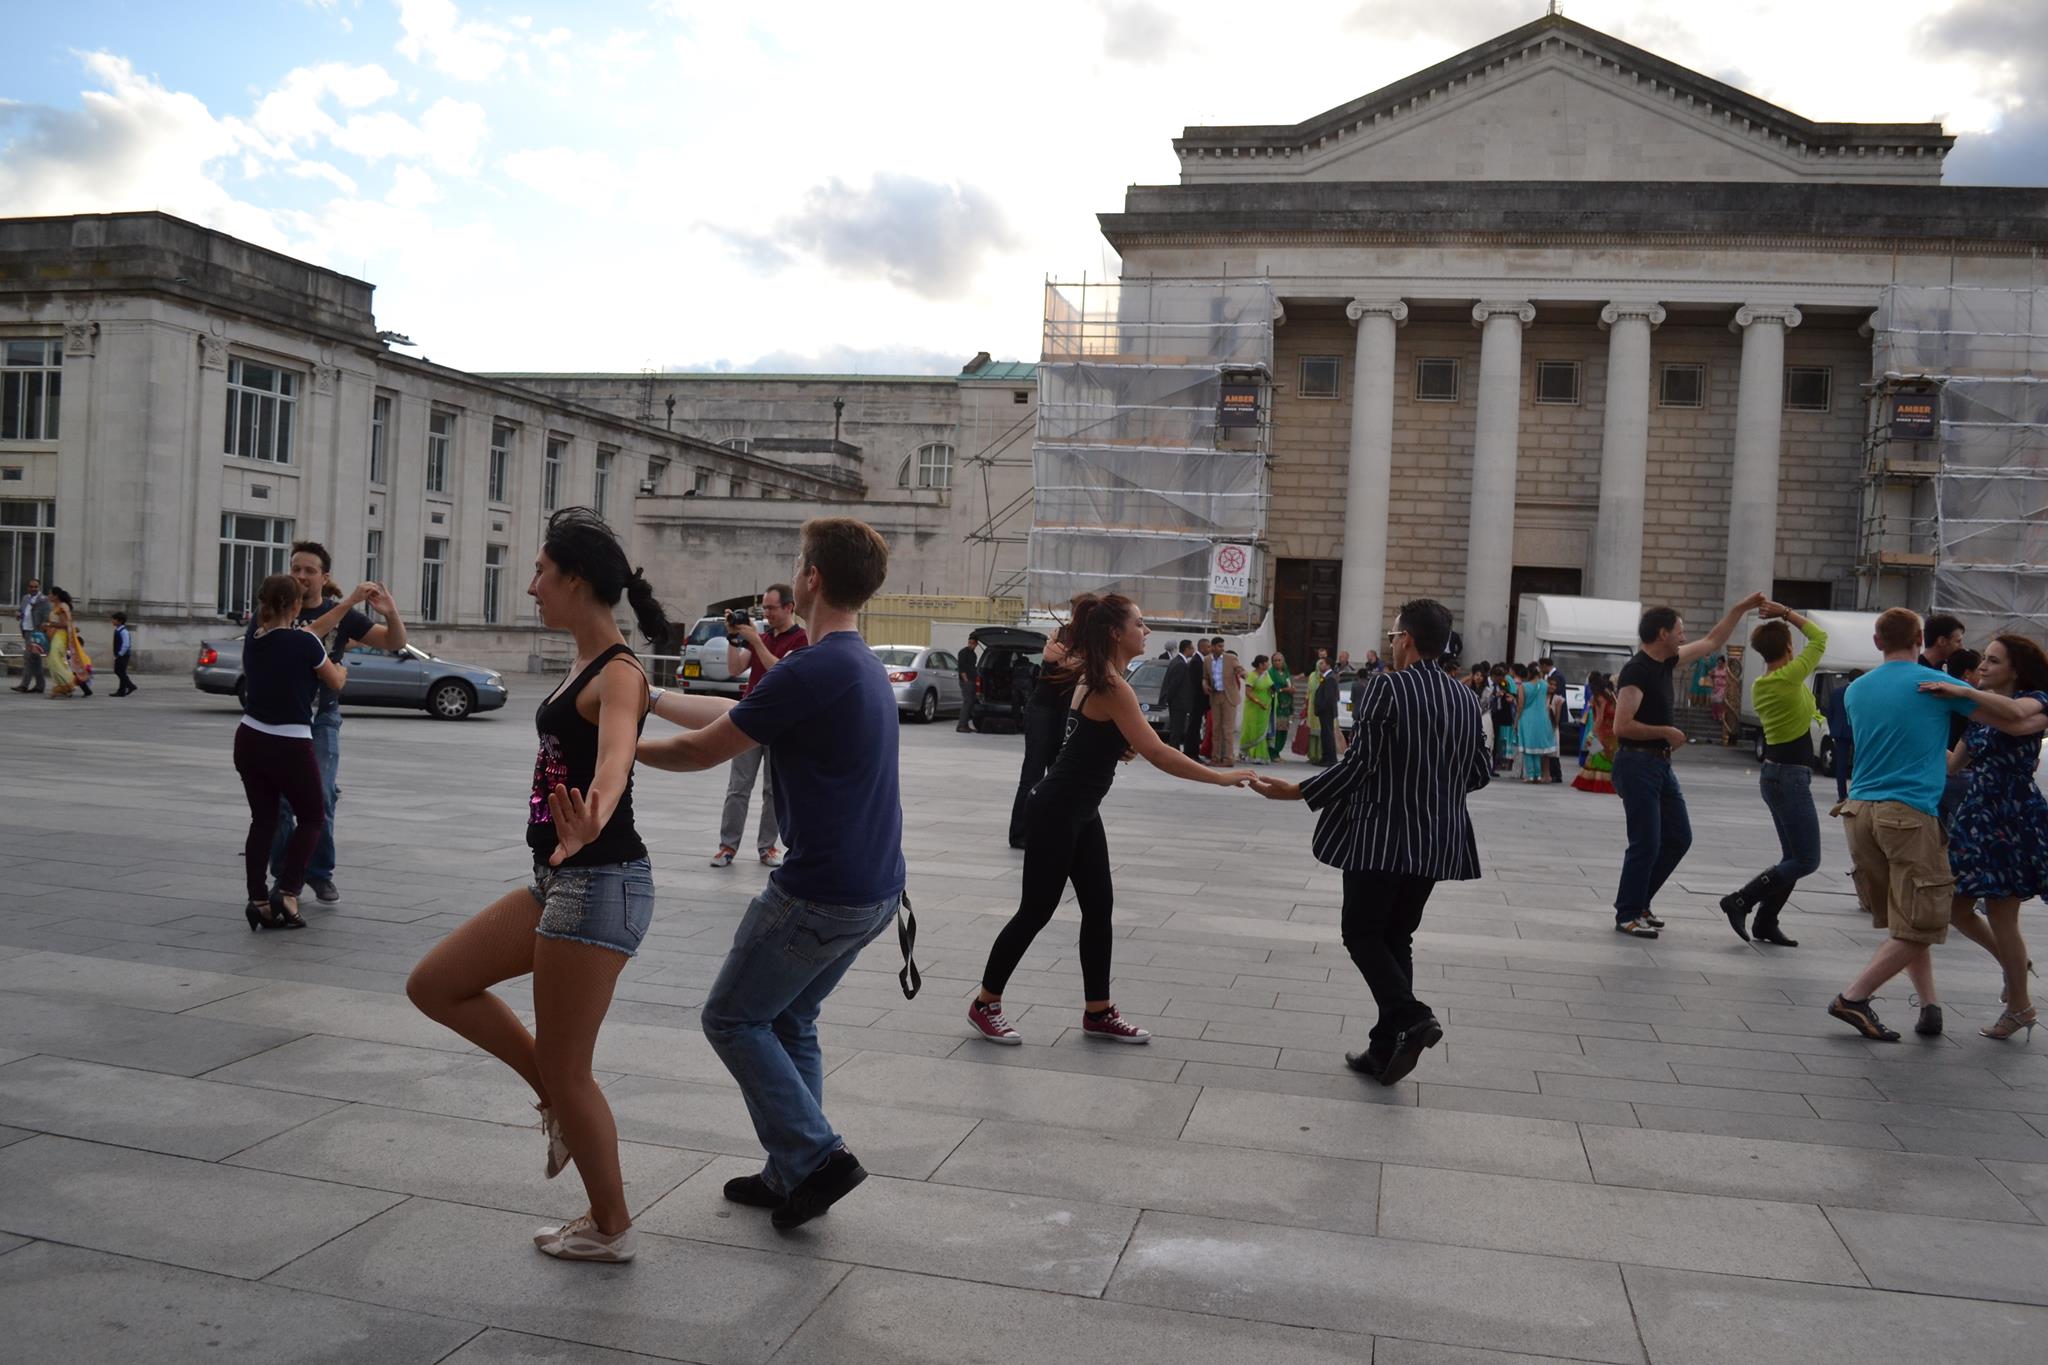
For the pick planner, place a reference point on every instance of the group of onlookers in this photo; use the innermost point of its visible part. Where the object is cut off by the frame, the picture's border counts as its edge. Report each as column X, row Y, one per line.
column 53, row 654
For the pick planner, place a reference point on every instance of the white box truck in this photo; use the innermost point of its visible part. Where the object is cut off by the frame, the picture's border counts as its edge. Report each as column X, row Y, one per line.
column 1581, row 635
column 1851, row 652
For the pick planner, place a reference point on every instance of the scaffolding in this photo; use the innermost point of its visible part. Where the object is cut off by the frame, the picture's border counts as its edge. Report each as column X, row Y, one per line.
column 1138, row 471
column 1955, row 505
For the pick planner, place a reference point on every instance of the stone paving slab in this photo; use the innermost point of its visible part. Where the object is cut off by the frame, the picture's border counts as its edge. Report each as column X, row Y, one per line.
column 1952, row 1256
column 1309, row 1278
column 175, row 1115
column 148, row 1313
column 459, row 1084
column 88, row 1030
column 497, row 1346
column 678, row 1300
column 163, row 1208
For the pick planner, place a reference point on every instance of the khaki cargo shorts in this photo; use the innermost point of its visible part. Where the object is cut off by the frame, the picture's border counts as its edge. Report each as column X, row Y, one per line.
column 1900, row 857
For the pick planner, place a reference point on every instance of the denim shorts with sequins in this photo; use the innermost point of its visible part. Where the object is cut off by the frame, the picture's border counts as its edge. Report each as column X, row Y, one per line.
column 608, row 906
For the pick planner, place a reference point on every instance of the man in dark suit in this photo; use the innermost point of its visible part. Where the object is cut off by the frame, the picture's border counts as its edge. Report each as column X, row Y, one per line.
column 1326, row 713
column 1391, row 816
column 1179, row 691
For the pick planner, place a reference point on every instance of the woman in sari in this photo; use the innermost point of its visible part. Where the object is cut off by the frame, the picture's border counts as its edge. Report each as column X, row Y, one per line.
column 69, row 666
column 1283, row 708
column 1255, row 732
column 1598, row 774
column 1310, row 722
column 1535, row 736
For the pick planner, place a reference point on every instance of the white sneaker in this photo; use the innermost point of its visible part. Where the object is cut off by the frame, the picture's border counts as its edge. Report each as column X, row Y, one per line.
column 580, row 1240
column 770, row 858
column 723, row 858
column 558, row 1146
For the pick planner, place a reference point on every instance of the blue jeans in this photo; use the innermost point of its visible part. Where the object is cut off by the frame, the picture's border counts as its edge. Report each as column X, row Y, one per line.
column 761, row 1018
column 1659, row 831
column 327, row 753
column 1788, row 792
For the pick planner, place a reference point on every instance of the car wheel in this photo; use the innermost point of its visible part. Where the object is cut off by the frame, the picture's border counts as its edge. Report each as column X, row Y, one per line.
column 928, row 709
column 450, row 700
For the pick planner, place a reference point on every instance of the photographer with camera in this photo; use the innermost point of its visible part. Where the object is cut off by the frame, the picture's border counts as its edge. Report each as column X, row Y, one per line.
column 753, row 653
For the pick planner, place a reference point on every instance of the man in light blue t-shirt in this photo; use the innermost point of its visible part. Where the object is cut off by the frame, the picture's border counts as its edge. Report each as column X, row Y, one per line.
column 1900, row 714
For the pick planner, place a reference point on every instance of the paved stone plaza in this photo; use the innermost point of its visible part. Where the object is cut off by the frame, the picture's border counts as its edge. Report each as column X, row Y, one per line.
column 227, row 1146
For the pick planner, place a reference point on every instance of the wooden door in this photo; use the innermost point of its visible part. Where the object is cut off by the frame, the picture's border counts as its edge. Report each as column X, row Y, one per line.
column 1305, row 598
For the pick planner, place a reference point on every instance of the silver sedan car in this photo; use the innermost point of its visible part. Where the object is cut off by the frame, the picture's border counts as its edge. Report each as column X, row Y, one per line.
column 926, row 681
column 410, row 678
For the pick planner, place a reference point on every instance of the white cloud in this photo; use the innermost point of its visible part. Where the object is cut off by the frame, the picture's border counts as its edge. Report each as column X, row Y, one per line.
column 294, row 112
column 449, row 134
column 319, row 170
column 566, row 174
column 436, row 35
column 412, row 188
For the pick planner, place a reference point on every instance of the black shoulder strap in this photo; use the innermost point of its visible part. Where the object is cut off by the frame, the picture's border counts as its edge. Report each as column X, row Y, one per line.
column 906, row 938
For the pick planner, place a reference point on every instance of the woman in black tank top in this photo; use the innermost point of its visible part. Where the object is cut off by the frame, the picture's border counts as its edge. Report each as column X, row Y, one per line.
column 1063, row 835
column 592, row 896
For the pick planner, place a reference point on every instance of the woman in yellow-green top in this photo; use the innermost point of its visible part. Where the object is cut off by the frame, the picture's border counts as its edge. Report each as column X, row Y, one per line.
column 1785, row 706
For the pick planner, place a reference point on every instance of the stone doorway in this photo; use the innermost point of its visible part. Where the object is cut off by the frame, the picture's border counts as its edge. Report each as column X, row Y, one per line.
column 1305, row 595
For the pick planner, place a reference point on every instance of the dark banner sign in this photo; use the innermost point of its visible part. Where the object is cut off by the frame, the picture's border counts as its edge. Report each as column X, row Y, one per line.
column 1913, row 418
column 1240, row 406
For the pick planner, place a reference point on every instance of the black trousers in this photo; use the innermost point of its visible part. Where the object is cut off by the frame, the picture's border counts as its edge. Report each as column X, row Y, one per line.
column 967, row 700
column 1381, row 912
column 1190, row 734
column 1059, row 848
column 121, row 672
column 274, row 768
column 1044, row 728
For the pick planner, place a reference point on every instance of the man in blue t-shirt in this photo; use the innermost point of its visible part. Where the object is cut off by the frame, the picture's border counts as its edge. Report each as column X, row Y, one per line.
column 1900, row 714
column 827, row 717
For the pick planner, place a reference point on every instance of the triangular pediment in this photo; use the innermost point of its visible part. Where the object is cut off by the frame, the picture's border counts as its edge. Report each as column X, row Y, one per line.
column 1555, row 100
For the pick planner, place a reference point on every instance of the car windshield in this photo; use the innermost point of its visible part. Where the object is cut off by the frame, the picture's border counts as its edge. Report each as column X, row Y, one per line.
column 709, row 629
column 897, row 658
column 1577, row 664
column 1147, row 674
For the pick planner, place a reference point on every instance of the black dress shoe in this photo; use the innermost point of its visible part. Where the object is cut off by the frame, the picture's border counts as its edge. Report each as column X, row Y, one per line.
column 1364, row 1063
column 752, row 1191
column 1929, row 1025
column 820, row 1190
column 1772, row 934
column 1409, row 1045
column 1651, row 920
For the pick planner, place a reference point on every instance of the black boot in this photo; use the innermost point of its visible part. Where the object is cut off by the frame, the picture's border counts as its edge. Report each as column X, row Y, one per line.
column 1767, row 930
column 1736, row 904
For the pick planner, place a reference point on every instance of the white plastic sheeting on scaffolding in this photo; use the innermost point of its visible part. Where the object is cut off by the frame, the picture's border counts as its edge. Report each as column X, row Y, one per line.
column 1987, row 352
column 1136, row 478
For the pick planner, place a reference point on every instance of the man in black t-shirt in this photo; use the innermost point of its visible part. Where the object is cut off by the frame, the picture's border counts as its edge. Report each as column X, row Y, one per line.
column 1659, row 830
column 339, row 625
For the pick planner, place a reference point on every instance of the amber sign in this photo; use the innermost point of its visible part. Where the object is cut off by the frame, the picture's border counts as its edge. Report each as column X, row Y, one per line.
column 1913, row 419
column 1240, row 406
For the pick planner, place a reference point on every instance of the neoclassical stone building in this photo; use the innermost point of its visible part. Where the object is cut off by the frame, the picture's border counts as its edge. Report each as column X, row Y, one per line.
column 1560, row 315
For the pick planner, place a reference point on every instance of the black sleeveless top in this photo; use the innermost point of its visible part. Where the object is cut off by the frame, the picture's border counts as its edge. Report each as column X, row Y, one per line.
column 568, row 754
column 1081, row 775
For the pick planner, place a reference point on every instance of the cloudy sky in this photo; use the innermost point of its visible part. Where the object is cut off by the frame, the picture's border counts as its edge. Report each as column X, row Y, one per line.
column 790, row 184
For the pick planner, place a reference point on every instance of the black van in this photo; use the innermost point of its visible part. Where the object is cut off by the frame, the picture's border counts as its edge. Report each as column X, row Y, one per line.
column 1009, row 660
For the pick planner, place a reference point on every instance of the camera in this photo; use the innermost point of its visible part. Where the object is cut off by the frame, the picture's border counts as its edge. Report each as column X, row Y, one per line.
column 735, row 619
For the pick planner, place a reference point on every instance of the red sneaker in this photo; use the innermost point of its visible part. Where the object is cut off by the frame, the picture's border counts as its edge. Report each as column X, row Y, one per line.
column 988, row 1021
column 1114, row 1027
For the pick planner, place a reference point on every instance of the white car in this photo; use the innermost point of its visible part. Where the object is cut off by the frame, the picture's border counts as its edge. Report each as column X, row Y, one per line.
column 706, row 651
column 926, row 681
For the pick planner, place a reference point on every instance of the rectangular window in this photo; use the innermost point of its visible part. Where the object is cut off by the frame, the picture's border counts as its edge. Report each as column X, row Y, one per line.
column 738, row 489
column 1808, row 388
column 1319, row 376
column 1682, row 386
column 601, row 487
column 1557, row 381
column 1436, row 380
column 373, row 556
column 380, row 437
column 31, row 382
column 251, row 549
column 432, row 559
column 657, row 471
column 501, row 462
column 551, row 474
column 702, row 483
column 262, row 400
column 440, row 437
column 494, row 577
column 28, row 541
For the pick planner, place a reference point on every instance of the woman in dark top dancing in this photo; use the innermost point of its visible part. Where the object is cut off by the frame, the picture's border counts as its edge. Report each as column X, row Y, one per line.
column 592, row 896
column 1063, row 835
column 282, row 670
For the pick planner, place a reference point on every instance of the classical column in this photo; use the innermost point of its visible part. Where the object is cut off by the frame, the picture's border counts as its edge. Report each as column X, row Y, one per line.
column 1624, row 450
column 1490, row 535
column 1753, row 482
column 1361, row 606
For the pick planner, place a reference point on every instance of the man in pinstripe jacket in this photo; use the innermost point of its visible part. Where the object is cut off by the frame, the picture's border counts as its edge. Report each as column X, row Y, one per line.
column 1391, row 816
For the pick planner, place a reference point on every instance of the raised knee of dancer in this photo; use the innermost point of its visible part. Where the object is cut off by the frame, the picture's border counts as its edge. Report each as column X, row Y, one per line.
column 420, row 989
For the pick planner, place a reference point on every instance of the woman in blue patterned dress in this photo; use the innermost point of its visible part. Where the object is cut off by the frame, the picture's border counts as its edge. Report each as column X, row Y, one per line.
column 1998, row 847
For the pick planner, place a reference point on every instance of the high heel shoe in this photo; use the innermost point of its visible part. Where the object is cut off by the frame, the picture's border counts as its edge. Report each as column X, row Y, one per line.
column 285, row 911
column 259, row 915
column 2009, row 1023
column 2005, row 992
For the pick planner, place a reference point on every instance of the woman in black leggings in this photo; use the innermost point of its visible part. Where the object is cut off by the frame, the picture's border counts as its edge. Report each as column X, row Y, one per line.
column 1063, row 835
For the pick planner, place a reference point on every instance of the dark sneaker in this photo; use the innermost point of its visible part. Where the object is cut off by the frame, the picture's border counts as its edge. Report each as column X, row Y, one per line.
column 325, row 889
column 1409, row 1045
column 1929, row 1025
column 987, row 1018
column 1639, row 927
column 752, row 1191
column 1651, row 920
column 1113, row 1027
column 820, row 1190
column 1858, row 1015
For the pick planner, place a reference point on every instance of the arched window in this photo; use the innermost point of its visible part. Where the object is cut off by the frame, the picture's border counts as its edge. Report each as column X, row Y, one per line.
column 935, row 465
column 739, row 443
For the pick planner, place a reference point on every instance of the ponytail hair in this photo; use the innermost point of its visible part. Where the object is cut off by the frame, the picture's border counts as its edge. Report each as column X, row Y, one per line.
column 580, row 543
column 1090, row 659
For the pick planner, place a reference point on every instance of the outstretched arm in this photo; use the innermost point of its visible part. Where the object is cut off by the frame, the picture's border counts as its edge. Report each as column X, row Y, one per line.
column 2013, row 715
column 690, row 751
column 689, row 710
column 1717, row 638
column 1146, row 743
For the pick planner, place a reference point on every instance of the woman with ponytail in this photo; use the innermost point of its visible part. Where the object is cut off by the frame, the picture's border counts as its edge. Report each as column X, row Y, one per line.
column 1064, row 839
column 592, row 896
